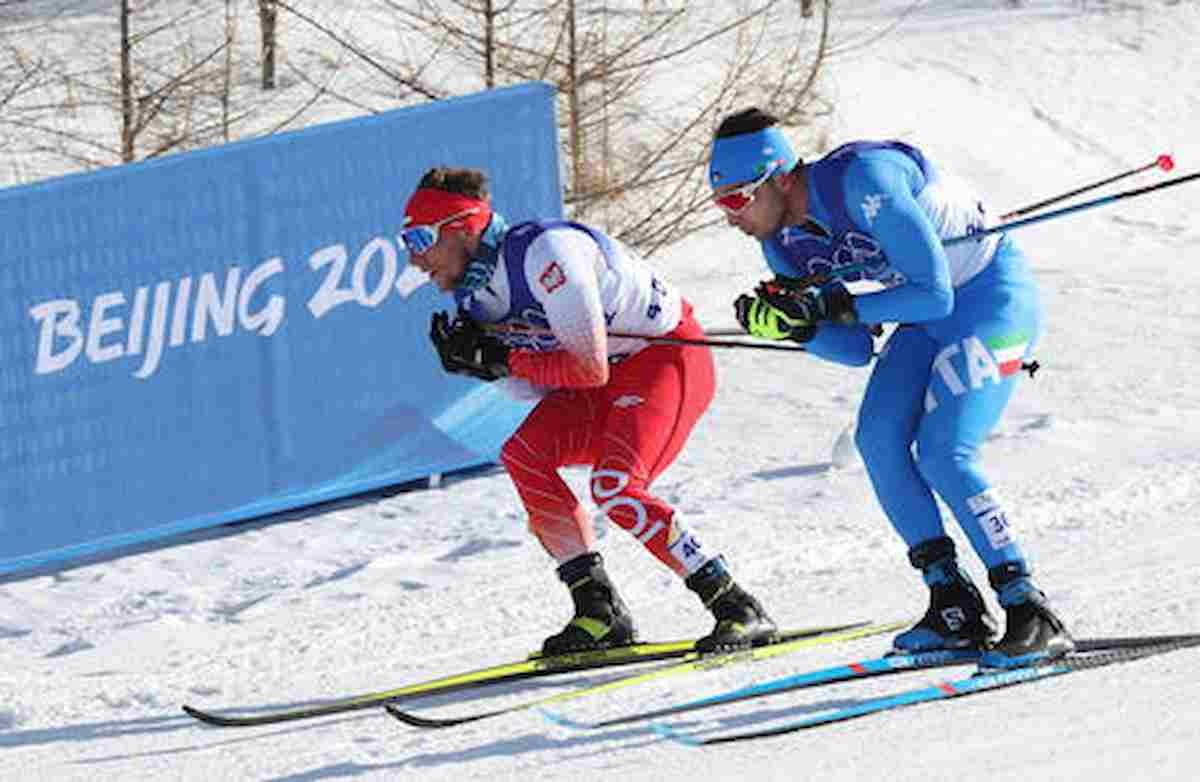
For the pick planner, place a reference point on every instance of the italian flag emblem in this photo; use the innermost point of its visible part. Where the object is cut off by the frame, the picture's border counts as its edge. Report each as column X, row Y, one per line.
column 1009, row 352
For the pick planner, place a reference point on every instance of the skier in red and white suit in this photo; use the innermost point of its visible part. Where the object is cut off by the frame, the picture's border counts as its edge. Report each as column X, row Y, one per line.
column 550, row 292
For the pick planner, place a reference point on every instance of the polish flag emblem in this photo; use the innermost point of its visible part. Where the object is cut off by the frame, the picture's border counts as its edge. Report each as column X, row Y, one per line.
column 553, row 277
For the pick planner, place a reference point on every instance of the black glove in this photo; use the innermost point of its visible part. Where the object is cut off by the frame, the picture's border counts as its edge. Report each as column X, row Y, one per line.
column 466, row 350
column 832, row 302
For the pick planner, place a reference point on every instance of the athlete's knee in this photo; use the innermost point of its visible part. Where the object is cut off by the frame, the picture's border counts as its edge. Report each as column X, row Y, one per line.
column 941, row 464
column 615, row 489
column 516, row 453
column 880, row 441
column 624, row 500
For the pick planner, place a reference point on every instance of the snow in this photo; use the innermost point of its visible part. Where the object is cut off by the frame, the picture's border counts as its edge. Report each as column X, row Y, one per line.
column 1098, row 457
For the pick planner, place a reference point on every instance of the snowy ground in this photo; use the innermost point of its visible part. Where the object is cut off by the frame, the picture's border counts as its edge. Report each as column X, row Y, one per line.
column 1099, row 458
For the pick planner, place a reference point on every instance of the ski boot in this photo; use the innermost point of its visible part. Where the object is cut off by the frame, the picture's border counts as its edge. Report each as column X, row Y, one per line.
column 741, row 620
column 957, row 617
column 1032, row 632
column 601, row 619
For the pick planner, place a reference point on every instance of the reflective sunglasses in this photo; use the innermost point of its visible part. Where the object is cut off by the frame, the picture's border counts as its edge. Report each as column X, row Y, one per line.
column 735, row 201
column 419, row 238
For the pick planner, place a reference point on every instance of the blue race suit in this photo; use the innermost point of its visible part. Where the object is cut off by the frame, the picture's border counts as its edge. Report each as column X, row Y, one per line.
column 969, row 315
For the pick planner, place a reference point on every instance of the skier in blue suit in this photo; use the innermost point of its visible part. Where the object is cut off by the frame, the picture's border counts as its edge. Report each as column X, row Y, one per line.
column 968, row 316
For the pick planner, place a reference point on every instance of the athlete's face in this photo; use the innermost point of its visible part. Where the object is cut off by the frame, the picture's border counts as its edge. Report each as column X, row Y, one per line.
column 446, row 260
column 755, row 208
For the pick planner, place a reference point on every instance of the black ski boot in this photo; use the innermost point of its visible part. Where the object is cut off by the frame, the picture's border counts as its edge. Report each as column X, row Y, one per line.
column 1033, row 633
column 741, row 620
column 601, row 619
column 957, row 617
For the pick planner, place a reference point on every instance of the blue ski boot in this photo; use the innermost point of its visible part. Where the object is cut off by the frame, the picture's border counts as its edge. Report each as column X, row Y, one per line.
column 957, row 617
column 601, row 619
column 1032, row 632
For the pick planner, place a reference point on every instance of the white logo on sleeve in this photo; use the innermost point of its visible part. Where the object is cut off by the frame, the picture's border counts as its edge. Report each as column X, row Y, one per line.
column 629, row 400
column 871, row 205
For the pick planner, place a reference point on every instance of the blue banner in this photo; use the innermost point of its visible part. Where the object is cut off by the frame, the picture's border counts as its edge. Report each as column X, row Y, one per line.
column 236, row 331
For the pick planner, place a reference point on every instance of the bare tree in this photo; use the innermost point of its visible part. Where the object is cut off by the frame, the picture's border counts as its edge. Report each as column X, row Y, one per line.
column 641, row 87
column 408, row 78
column 166, row 85
column 42, row 98
column 228, row 74
column 640, row 84
column 268, row 17
column 78, row 91
column 167, row 102
column 128, row 119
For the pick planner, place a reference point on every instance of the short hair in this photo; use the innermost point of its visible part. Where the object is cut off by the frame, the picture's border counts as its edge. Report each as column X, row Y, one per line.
column 749, row 120
column 465, row 181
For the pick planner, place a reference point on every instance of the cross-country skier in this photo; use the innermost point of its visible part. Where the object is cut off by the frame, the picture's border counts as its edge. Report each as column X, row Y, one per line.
column 550, row 291
column 968, row 315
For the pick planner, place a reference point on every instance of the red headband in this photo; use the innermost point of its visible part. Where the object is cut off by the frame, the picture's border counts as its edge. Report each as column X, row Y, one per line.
column 429, row 205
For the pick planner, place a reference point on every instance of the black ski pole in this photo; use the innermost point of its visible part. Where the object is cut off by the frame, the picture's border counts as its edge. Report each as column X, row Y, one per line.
column 1165, row 162
column 712, row 343
column 1070, row 209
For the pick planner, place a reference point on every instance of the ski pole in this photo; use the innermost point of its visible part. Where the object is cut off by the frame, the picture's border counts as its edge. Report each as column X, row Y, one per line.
column 1165, row 162
column 1070, row 209
column 712, row 343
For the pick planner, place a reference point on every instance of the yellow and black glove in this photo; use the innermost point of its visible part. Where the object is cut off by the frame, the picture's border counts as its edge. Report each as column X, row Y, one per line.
column 813, row 304
column 760, row 319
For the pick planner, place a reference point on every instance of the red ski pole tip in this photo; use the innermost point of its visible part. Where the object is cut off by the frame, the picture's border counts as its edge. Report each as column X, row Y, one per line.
column 1165, row 162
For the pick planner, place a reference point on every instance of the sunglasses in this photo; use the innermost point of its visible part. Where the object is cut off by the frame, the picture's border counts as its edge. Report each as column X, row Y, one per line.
column 418, row 239
column 736, row 200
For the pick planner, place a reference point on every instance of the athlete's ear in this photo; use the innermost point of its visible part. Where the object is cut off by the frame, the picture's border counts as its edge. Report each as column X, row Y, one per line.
column 468, row 241
column 785, row 182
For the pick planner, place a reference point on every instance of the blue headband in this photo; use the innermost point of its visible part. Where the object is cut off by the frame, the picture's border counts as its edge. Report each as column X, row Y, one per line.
column 743, row 158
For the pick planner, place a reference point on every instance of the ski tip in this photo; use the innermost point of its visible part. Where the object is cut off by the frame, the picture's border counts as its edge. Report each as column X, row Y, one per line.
column 220, row 721
column 408, row 719
column 562, row 720
column 667, row 732
column 204, row 716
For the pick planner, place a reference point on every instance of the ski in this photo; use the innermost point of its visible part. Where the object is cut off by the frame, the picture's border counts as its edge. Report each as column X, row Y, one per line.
column 986, row 680
column 691, row 661
column 532, row 667
column 861, row 669
column 885, row 665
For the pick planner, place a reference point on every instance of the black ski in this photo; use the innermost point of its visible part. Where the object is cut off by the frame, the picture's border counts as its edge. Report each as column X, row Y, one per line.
column 533, row 667
column 690, row 662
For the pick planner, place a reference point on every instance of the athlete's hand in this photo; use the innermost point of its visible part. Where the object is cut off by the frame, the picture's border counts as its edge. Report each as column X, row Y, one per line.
column 760, row 319
column 810, row 304
column 465, row 349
